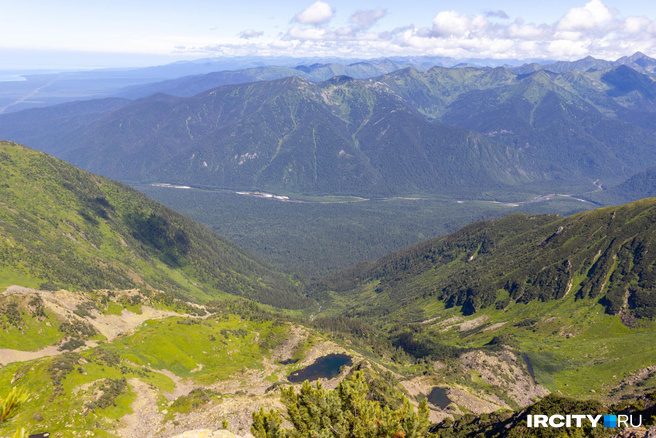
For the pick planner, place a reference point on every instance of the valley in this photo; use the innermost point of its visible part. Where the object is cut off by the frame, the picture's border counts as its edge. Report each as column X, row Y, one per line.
column 455, row 247
column 320, row 235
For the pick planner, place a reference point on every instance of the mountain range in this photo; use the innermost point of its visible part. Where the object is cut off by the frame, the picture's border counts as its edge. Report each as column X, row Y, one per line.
column 187, row 86
column 122, row 317
column 638, row 61
column 135, row 303
column 288, row 135
column 449, row 131
column 42, row 89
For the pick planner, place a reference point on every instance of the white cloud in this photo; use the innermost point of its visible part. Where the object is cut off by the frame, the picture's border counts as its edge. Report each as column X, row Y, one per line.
column 361, row 22
column 593, row 15
column 568, row 49
column 567, row 36
column 366, row 19
column 593, row 29
column 528, row 31
column 311, row 33
column 318, row 13
column 451, row 23
column 633, row 25
column 497, row 14
column 250, row 33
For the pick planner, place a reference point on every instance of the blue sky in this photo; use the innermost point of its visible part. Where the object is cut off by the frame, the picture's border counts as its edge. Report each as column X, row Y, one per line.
column 42, row 33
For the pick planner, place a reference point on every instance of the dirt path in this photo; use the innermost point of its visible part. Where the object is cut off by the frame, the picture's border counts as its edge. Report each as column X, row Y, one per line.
column 113, row 326
column 64, row 303
column 146, row 420
column 182, row 386
column 8, row 356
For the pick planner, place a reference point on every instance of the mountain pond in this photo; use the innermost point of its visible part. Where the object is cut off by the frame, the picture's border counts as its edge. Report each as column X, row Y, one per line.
column 438, row 397
column 326, row 367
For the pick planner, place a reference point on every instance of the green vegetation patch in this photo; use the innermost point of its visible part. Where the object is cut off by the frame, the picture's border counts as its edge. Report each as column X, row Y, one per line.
column 207, row 350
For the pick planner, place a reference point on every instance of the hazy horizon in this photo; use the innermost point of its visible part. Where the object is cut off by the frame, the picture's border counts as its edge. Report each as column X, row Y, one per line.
column 84, row 35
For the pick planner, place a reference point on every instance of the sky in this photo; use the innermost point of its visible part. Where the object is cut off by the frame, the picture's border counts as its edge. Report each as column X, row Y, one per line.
column 121, row 33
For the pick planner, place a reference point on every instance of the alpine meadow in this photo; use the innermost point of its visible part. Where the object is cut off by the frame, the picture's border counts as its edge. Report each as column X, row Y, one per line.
column 328, row 220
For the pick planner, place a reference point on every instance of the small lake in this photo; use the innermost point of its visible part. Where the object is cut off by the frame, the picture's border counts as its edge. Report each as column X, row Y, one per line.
column 438, row 397
column 287, row 361
column 326, row 367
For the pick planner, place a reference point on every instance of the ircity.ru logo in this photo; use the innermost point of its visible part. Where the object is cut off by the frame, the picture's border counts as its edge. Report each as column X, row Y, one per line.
column 578, row 420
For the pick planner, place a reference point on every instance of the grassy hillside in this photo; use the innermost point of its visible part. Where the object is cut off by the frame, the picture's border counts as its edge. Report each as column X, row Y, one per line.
column 63, row 227
column 95, row 390
column 574, row 295
column 603, row 254
column 496, row 315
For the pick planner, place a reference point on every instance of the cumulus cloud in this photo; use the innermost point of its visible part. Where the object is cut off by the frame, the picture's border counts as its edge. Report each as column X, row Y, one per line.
column 497, row 14
column 634, row 25
column 592, row 29
column 311, row 33
column 593, row 15
column 528, row 32
column 318, row 13
column 250, row 33
column 451, row 23
column 361, row 21
column 366, row 19
column 568, row 48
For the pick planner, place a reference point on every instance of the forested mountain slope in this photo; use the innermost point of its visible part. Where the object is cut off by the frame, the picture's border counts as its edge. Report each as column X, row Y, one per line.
column 457, row 131
column 64, row 227
column 338, row 137
column 607, row 255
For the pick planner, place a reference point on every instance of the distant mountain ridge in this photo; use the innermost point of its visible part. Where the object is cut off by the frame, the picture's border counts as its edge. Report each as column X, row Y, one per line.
column 287, row 135
column 455, row 131
column 638, row 61
column 190, row 85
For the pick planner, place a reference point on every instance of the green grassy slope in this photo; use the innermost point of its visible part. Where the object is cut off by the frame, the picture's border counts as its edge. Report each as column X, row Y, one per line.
column 574, row 294
column 78, row 392
column 603, row 254
column 63, row 227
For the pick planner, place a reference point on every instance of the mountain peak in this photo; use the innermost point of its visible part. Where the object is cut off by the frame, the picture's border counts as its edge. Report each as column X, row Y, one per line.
column 638, row 55
column 638, row 61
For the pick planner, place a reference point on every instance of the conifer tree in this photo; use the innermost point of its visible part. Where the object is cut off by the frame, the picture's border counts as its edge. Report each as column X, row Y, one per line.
column 9, row 406
column 345, row 412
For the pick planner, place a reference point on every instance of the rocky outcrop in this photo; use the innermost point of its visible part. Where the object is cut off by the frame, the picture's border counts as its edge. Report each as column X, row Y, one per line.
column 506, row 372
